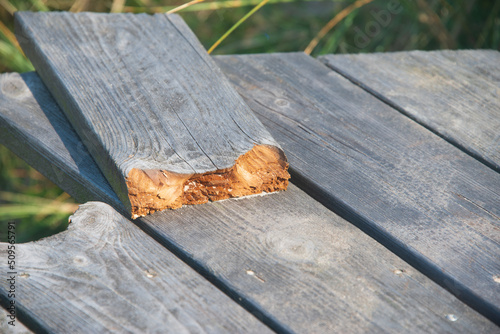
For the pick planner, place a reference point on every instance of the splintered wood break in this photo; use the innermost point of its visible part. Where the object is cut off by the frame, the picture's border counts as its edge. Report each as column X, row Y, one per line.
column 262, row 169
column 152, row 116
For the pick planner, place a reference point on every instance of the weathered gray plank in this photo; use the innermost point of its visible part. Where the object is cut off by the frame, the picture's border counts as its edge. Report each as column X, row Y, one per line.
column 299, row 267
column 432, row 204
column 152, row 108
column 309, row 270
column 106, row 275
column 27, row 118
column 456, row 94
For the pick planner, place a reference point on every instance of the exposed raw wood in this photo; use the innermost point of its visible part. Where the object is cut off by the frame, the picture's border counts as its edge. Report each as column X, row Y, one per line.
column 429, row 202
column 456, row 94
column 150, row 105
column 262, row 169
column 106, row 275
column 296, row 265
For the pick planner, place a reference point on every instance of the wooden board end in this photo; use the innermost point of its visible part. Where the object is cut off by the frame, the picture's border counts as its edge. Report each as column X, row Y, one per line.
column 262, row 169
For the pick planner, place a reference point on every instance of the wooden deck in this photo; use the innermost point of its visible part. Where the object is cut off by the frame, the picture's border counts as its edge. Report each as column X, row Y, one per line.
column 391, row 223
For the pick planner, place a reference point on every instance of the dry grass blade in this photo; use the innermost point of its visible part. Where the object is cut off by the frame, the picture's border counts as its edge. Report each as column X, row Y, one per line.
column 117, row 6
column 236, row 25
column 8, row 6
column 436, row 25
column 204, row 5
column 78, row 6
column 12, row 197
column 10, row 36
column 58, row 205
column 190, row 3
column 39, row 5
column 333, row 22
column 39, row 206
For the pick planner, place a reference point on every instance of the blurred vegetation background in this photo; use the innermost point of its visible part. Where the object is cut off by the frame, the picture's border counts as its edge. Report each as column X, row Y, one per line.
column 40, row 208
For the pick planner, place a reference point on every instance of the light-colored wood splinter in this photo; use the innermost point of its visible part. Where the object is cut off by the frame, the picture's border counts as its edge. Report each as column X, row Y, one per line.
column 262, row 169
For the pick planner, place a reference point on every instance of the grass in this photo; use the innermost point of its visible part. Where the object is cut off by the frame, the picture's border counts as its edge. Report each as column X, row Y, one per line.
column 327, row 26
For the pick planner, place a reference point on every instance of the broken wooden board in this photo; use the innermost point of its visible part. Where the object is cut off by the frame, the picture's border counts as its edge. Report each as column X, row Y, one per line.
column 426, row 200
column 296, row 265
column 106, row 275
column 164, row 125
column 455, row 94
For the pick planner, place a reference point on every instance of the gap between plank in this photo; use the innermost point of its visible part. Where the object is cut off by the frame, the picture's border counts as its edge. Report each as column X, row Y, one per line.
column 24, row 317
column 393, row 105
column 241, row 300
column 394, row 245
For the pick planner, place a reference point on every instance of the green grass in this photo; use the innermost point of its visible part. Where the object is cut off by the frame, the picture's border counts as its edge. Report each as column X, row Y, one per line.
column 41, row 208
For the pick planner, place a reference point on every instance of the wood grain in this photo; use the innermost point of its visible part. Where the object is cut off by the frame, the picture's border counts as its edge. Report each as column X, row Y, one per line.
column 303, row 267
column 455, row 94
column 106, row 275
column 429, row 202
column 149, row 104
column 33, row 126
column 299, row 267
